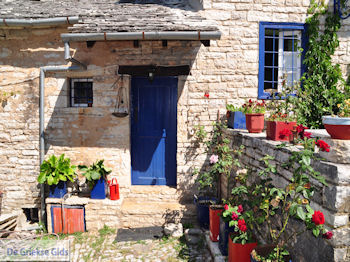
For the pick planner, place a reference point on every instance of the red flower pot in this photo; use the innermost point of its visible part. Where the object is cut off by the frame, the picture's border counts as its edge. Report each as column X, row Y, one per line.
column 238, row 252
column 274, row 128
column 337, row 127
column 214, row 222
column 255, row 122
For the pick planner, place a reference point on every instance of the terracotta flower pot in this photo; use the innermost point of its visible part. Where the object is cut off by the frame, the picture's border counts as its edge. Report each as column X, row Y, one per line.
column 239, row 252
column 255, row 122
column 274, row 128
column 337, row 127
column 214, row 222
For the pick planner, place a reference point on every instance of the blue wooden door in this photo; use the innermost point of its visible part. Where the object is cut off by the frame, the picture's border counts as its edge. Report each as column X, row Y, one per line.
column 153, row 131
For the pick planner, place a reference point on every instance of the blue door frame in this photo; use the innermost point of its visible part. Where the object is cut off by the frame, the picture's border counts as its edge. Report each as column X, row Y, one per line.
column 153, row 131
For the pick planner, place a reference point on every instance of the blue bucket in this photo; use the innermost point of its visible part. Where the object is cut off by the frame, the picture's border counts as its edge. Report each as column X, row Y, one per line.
column 236, row 120
column 225, row 230
column 99, row 189
column 59, row 190
column 202, row 204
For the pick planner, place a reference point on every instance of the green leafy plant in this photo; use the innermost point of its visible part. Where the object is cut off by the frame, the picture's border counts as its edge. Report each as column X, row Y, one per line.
column 233, row 108
column 95, row 171
column 344, row 109
column 54, row 170
column 323, row 86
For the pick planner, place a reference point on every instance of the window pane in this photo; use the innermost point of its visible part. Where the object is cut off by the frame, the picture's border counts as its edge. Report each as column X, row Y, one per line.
column 82, row 93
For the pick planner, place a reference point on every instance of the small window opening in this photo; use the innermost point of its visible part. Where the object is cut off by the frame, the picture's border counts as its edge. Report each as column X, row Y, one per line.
column 31, row 214
column 81, row 92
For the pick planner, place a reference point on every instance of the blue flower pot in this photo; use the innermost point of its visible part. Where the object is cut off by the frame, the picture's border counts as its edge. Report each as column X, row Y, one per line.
column 59, row 190
column 99, row 189
column 236, row 120
column 202, row 204
column 225, row 230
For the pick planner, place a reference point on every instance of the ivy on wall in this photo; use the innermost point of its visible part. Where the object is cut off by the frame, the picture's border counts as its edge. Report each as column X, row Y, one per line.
column 323, row 86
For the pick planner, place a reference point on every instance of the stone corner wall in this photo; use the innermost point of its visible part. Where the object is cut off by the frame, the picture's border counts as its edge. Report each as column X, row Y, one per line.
column 332, row 200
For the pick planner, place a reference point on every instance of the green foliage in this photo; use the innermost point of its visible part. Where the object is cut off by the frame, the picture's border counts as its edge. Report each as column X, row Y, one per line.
column 232, row 108
column 54, row 170
column 322, row 84
column 95, row 171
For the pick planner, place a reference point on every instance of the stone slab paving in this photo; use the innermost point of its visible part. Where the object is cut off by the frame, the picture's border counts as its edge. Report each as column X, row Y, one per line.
column 105, row 246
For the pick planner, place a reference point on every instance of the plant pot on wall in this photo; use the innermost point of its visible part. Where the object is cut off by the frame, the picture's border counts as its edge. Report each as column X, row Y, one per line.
column 99, row 189
column 274, row 128
column 236, row 120
column 255, row 122
column 59, row 190
column 337, row 127
column 214, row 224
column 202, row 205
column 239, row 252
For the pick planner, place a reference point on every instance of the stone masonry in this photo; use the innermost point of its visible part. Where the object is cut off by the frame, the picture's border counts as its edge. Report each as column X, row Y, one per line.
column 227, row 69
column 332, row 200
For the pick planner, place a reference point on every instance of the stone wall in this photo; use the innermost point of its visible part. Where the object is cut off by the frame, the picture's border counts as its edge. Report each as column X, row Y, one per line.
column 332, row 200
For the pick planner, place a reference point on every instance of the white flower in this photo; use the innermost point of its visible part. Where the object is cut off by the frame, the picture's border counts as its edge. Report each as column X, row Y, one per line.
column 214, row 159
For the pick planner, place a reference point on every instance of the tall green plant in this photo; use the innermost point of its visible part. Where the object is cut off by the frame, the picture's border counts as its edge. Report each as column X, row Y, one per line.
column 323, row 86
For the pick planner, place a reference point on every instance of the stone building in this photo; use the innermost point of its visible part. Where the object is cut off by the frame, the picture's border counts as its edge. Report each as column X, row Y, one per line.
column 106, row 68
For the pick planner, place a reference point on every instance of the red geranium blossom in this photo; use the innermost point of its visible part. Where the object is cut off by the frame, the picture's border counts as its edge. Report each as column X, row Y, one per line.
column 301, row 128
column 206, row 94
column 241, row 225
column 307, row 134
column 234, row 216
column 322, row 145
column 318, row 218
column 226, row 207
column 328, row 235
column 240, row 209
column 285, row 133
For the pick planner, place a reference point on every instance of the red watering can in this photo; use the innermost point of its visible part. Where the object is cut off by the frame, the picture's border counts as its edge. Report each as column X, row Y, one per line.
column 113, row 189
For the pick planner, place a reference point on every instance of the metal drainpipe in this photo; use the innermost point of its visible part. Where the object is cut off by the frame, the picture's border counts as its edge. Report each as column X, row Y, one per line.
column 153, row 35
column 68, row 57
column 43, row 70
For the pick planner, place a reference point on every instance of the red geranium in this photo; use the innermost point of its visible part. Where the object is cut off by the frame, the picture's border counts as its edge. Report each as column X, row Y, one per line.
column 226, row 207
column 318, row 218
column 240, row 209
column 206, row 94
column 328, row 235
column 301, row 129
column 307, row 134
column 241, row 225
column 234, row 216
column 285, row 133
column 322, row 145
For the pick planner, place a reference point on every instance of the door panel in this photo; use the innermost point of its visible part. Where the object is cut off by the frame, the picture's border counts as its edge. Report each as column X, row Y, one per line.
column 153, row 131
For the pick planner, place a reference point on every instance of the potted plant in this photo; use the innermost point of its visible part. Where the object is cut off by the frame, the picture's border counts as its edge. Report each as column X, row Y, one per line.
column 235, row 117
column 241, row 242
column 339, row 126
column 56, row 172
column 282, row 119
column 284, row 203
column 95, row 175
column 254, row 113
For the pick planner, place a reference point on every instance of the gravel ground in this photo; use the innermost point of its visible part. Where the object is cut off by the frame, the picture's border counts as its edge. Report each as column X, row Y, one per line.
column 104, row 246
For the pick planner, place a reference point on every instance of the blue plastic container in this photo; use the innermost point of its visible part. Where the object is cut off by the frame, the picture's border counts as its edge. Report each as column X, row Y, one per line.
column 202, row 204
column 236, row 120
column 59, row 190
column 99, row 189
column 225, row 230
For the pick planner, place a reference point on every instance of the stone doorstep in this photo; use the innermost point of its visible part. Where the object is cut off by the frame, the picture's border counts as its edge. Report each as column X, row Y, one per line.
column 214, row 249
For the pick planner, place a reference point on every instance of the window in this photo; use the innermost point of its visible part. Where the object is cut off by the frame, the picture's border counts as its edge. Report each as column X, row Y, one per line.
column 81, row 92
column 281, row 48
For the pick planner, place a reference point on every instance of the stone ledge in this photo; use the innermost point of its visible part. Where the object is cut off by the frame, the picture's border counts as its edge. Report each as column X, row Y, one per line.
column 76, row 200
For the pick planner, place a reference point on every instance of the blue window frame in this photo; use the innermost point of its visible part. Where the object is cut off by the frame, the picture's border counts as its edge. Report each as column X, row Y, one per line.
column 281, row 51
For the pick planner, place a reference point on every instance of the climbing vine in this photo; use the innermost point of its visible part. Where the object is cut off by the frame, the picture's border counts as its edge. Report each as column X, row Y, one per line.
column 323, row 86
